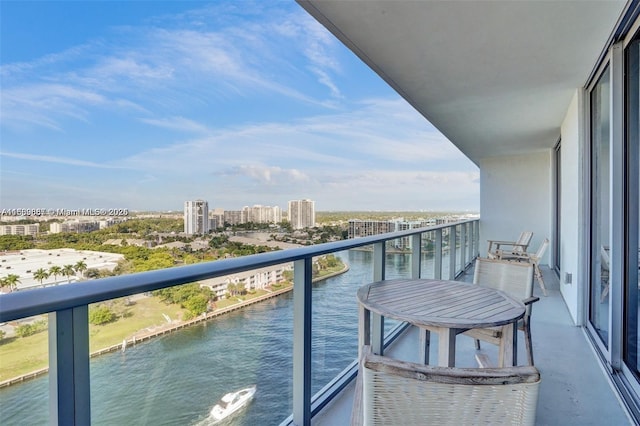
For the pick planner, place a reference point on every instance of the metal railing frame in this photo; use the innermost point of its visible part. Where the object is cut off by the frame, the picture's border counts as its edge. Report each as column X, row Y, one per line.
column 67, row 306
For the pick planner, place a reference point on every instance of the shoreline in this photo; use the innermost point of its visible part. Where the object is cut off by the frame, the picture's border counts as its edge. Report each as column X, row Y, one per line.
column 144, row 335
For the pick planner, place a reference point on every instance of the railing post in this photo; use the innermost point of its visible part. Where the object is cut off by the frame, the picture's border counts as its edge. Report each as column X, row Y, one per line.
column 416, row 255
column 437, row 255
column 452, row 252
column 463, row 246
column 302, row 285
column 472, row 241
column 69, row 381
column 469, row 242
column 476, row 249
column 377, row 321
column 379, row 257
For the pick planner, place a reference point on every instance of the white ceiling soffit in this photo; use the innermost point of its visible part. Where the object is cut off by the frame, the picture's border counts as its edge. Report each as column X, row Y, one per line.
column 495, row 77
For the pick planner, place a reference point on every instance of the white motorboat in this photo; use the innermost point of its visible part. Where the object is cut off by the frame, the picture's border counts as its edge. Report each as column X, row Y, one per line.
column 231, row 403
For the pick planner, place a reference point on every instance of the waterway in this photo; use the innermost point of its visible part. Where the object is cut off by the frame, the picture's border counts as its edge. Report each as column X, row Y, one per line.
column 176, row 379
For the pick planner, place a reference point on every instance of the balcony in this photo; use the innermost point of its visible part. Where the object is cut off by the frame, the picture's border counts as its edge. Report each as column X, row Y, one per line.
column 574, row 390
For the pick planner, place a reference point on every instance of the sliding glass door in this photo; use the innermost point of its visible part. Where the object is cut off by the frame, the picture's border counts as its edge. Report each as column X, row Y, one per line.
column 632, row 204
column 600, row 207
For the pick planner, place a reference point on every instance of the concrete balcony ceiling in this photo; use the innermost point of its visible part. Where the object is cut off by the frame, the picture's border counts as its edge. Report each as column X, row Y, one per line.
column 495, row 77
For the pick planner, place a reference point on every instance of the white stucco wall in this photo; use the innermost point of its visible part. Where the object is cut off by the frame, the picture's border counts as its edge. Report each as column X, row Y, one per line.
column 515, row 196
column 571, row 207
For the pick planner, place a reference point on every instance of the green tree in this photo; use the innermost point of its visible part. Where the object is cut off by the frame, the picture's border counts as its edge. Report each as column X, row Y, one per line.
column 196, row 304
column 55, row 271
column 67, row 271
column 80, row 266
column 40, row 275
column 232, row 289
column 101, row 314
column 16, row 242
column 12, row 281
column 31, row 329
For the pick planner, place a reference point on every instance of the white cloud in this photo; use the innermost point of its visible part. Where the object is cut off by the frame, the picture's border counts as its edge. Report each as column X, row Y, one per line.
column 267, row 174
column 178, row 123
column 57, row 160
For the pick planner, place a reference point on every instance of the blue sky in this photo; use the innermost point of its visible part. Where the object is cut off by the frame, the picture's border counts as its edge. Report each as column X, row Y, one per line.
column 146, row 104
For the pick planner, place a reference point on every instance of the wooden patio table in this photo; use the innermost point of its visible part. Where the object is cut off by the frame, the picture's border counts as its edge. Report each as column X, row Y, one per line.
column 446, row 308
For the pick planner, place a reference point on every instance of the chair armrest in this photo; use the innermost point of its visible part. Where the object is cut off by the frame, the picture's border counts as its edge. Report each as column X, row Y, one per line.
column 512, row 244
column 530, row 300
column 501, row 242
column 498, row 243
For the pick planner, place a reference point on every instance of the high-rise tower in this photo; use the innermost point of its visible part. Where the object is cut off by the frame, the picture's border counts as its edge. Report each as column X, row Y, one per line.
column 302, row 214
column 196, row 217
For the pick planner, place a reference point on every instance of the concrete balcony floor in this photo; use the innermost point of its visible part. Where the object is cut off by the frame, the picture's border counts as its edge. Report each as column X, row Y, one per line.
column 574, row 390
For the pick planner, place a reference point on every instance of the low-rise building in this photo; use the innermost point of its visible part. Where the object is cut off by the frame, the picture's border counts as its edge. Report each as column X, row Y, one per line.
column 32, row 229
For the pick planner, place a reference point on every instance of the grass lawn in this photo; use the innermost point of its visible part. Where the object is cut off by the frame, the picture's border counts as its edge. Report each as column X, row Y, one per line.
column 329, row 271
column 225, row 303
column 22, row 355
column 147, row 312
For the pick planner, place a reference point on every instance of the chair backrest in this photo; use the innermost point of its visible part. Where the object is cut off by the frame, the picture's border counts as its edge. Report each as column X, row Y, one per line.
column 523, row 241
column 542, row 249
column 397, row 392
column 514, row 278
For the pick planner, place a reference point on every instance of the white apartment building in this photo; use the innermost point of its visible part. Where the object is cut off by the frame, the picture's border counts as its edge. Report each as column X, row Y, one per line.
column 75, row 226
column 233, row 217
column 253, row 280
column 302, row 214
column 30, row 229
column 262, row 214
column 196, row 217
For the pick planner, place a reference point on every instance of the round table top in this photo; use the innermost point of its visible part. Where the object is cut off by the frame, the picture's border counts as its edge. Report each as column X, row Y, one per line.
column 440, row 303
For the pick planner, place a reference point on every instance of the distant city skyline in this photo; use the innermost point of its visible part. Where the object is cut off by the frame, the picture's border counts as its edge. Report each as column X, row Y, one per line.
column 148, row 104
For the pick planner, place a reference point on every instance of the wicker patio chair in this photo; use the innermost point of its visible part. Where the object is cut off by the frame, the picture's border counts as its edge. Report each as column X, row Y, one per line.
column 403, row 393
column 515, row 279
column 497, row 248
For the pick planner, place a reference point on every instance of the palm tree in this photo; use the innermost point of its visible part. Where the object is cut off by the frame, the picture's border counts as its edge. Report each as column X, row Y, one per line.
column 80, row 266
column 12, row 281
column 55, row 271
column 67, row 271
column 40, row 275
column 3, row 282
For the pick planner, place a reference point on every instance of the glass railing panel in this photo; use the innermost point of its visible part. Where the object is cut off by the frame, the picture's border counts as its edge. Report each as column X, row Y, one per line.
column 176, row 365
column 24, row 360
column 427, row 241
column 335, row 317
column 446, row 250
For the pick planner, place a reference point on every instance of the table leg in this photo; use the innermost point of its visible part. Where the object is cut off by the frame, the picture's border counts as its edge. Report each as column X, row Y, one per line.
column 364, row 329
column 446, row 347
column 508, row 346
column 377, row 333
column 425, row 343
